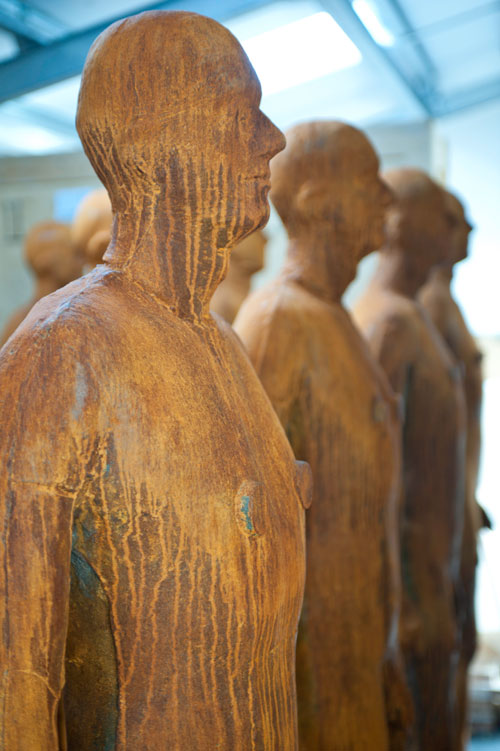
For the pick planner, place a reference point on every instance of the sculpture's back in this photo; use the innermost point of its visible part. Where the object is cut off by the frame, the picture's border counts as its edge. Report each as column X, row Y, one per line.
column 140, row 433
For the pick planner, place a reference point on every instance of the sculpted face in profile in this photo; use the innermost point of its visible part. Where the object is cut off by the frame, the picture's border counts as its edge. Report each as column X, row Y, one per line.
column 91, row 227
column 436, row 297
column 421, row 370
column 340, row 416
column 147, row 465
column 247, row 258
column 54, row 261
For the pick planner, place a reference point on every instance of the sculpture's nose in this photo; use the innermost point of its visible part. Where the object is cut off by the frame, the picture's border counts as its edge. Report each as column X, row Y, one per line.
column 273, row 138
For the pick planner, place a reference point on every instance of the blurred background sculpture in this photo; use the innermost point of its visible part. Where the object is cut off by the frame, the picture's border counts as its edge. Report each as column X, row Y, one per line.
column 146, row 463
column 419, row 367
column 54, row 262
column 340, row 416
column 437, row 299
column 247, row 258
column 91, row 227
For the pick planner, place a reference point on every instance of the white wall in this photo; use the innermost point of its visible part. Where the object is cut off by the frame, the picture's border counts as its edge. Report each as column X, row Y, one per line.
column 472, row 142
column 31, row 185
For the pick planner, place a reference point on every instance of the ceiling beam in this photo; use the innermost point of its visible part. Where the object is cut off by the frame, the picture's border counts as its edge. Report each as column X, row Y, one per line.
column 465, row 98
column 64, row 58
column 342, row 12
column 415, row 41
column 29, row 23
column 34, row 115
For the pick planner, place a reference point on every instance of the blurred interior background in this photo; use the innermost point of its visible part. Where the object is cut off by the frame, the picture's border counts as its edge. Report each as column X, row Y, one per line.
column 422, row 78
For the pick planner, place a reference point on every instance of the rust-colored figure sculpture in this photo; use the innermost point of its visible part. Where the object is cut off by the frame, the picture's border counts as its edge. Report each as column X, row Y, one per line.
column 141, row 446
column 437, row 299
column 54, row 261
column 246, row 259
column 340, row 416
column 91, row 228
column 419, row 368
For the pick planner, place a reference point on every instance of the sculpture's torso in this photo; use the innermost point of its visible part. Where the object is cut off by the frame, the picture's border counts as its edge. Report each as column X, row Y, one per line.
column 405, row 341
column 436, row 298
column 187, row 556
column 335, row 405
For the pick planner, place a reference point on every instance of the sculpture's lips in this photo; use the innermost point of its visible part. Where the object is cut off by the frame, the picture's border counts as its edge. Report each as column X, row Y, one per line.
column 264, row 175
column 264, row 181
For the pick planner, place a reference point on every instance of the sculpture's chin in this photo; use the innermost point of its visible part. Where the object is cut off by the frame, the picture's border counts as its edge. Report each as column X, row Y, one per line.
column 254, row 220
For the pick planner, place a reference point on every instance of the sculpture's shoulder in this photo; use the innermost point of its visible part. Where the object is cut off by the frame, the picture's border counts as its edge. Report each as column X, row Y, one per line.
column 276, row 307
column 384, row 315
column 70, row 312
column 50, row 363
column 46, row 327
column 271, row 324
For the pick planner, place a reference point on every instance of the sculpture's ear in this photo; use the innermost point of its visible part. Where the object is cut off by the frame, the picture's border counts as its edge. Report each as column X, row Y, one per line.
column 394, row 221
column 310, row 198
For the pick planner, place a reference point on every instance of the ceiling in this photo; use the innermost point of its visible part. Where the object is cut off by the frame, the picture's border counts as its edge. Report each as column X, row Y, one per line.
column 366, row 61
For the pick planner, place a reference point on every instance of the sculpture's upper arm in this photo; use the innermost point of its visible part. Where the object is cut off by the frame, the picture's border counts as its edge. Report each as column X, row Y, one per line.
column 39, row 476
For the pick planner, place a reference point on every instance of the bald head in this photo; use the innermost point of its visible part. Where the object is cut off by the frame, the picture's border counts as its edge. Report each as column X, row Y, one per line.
column 418, row 222
column 317, row 154
column 413, row 188
column 49, row 252
column 91, row 228
column 149, row 85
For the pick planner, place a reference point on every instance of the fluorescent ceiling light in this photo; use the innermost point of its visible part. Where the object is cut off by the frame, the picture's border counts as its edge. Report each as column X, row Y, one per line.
column 370, row 19
column 22, row 138
column 300, row 51
column 9, row 46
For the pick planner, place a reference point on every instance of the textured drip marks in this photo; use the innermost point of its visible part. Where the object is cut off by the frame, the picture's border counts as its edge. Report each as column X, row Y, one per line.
column 91, row 667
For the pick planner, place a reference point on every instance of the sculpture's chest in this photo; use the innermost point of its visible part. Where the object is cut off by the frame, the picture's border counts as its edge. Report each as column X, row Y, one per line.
column 188, row 447
column 434, row 379
column 345, row 386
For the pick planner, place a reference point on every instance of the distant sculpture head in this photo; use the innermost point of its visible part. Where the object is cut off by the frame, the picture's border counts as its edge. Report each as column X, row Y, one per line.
column 247, row 258
column 326, row 184
column 460, row 228
column 418, row 223
column 169, row 117
column 248, row 255
column 91, row 228
column 50, row 254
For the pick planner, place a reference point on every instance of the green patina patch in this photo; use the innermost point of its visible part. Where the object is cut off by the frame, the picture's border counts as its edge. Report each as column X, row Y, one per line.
column 245, row 510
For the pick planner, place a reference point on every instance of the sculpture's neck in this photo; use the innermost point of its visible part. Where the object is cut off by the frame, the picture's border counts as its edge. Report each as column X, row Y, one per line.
column 319, row 264
column 395, row 274
column 45, row 285
column 171, row 253
column 442, row 273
